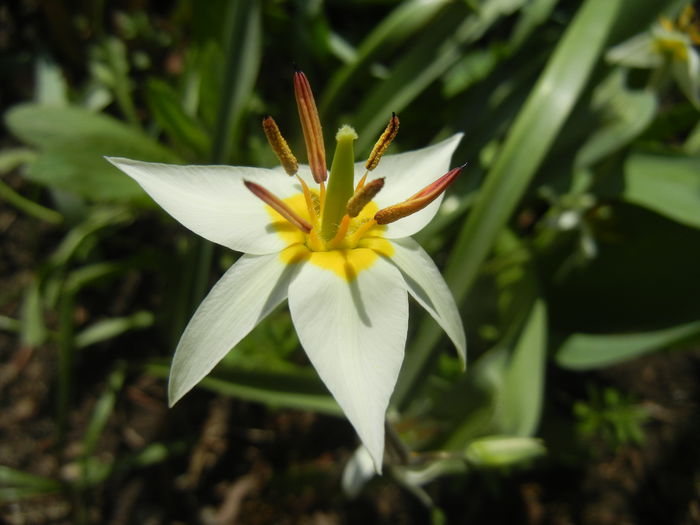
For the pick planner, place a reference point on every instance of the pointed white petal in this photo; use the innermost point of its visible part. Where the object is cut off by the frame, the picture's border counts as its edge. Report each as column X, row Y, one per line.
column 213, row 202
column 246, row 293
column 354, row 334
column 428, row 287
column 638, row 51
column 408, row 173
column 687, row 74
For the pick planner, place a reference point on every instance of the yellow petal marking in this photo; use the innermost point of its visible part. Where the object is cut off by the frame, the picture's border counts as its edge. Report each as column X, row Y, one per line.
column 351, row 257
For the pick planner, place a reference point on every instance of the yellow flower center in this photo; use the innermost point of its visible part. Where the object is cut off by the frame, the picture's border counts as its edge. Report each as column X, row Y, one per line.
column 674, row 47
column 355, row 247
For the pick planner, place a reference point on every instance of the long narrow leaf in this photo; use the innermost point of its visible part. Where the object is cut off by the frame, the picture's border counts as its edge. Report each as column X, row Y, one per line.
column 588, row 351
column 529, row 140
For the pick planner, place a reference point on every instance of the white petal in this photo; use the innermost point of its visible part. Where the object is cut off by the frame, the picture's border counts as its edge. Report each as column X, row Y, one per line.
column 213, row 202
column 408, row 173
column 428, row 287
column 354, row 334
column 638, row 51
column 246, row 293
column 687, row 74
column 357, row 472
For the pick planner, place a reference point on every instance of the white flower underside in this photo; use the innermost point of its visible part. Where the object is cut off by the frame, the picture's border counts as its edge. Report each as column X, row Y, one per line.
column 353, row 332
column 643, row 51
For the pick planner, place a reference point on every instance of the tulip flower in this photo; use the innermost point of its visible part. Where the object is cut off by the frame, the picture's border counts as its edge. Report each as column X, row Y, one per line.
column 336, row 245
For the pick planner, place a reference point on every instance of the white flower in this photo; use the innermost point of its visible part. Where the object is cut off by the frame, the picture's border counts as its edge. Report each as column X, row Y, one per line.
column 346, row 278
column 668, row 48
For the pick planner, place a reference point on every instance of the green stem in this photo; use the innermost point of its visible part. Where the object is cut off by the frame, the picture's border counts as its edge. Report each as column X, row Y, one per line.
column 28, row 206
column 66, row 309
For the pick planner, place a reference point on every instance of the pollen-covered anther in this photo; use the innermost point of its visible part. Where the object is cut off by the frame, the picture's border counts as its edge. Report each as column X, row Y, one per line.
column 311, row 127
column 363, row 196
column 418, row 201
column 383, row 143
column 280, row 146
column 278, row 205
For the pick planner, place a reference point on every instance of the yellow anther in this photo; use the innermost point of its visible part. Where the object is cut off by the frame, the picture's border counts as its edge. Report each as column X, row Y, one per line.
column 383, row 143
column 280, row 146
column 689, row 24
column 363, row 196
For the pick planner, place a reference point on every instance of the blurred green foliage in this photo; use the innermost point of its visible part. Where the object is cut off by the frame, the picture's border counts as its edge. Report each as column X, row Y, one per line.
column 572, row 240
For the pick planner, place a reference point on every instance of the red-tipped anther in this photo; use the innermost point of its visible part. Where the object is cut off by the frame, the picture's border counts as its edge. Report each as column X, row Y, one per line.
column 418, row 201
column 311, row 126
column 278, row 205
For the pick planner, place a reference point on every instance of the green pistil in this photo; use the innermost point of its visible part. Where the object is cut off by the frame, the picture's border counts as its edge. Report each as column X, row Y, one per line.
column 340, row 182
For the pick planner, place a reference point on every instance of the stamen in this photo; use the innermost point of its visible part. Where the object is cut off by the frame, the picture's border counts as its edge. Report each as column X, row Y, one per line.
column 383, row 143
column 341, row 233
column 361, row 183
column 309, row 199
column 688, row 23
column 361, row 231
column 311, row 126
column 363, row 196
column 278, row 205
column 666, row 23
column 322, row 197
column 418, row 201
column 687, row 17
column 280, row 146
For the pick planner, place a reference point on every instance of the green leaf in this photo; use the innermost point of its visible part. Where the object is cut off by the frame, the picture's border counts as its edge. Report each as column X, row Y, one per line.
column 624, row 115
column 533, row 14
column 241, row 66
column 530, row 138
column 522, row 393
column 167, row 109
column 478, row 395
column 9, row 160
column 72, row 142
column 401, row 24
column 292, row 388
column 435, row 52
column 669, row 185
column 17, row 485
column 103, row 408
column 588, row 351
column 33, row 328
column 9, row 324
column 110, row 328
column 50, row 84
